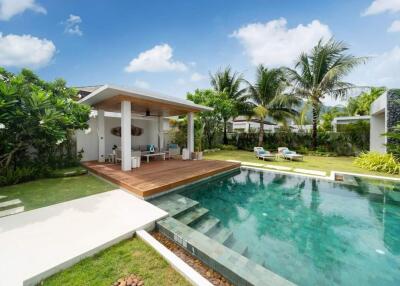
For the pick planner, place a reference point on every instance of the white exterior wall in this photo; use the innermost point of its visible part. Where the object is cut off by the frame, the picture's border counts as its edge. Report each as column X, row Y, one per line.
column 249, row 125
column 378, row 124
column 89, row 142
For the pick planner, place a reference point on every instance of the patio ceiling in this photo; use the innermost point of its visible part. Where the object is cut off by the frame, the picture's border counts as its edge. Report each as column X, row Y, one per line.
column 109, row 98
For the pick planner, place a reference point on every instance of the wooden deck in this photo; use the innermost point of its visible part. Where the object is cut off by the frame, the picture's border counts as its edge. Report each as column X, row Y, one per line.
column 159, row 176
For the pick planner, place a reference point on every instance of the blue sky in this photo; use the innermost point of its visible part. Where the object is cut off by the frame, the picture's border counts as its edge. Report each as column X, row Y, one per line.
column 171, row 46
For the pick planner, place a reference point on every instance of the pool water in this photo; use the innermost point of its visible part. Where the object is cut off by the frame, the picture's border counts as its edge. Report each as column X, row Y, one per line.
column 309, row 231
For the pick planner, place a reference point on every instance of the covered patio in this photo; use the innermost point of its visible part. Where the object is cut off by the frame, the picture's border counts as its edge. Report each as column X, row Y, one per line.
column 129, row 113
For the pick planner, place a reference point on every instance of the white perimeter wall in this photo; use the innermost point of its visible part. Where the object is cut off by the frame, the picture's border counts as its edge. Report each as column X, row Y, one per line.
column 89, row 142
column 378, row 124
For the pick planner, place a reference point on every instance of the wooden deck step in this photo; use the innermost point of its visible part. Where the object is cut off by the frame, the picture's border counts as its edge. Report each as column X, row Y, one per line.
column 193, row 216
column 10, row 203
column 222, row 235
column 207, row 224
column 174, row 204
column 11, row 211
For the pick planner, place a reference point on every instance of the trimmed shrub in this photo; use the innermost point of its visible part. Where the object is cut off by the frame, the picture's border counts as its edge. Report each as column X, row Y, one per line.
column 19, row 175
column 378, row 162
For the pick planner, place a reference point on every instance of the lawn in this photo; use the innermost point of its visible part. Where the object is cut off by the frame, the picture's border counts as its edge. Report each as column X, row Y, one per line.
column 45, row 192
column 328, row 164
column 132, row 256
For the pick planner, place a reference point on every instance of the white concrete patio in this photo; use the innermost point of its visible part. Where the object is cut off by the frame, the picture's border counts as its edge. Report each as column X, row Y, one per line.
column 38, row 243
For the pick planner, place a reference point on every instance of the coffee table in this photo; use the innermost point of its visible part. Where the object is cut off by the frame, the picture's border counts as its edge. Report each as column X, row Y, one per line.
column 148, row 155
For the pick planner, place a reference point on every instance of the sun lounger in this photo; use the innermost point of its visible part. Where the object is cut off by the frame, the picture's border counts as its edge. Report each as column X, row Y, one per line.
column 289, row 155
column 262, row 154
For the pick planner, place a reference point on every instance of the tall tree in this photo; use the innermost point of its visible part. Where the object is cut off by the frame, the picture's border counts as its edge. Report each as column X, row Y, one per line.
column 36, row 117
column 228, row 83
column 211, row 120
column 320, row 74
column 267, row 93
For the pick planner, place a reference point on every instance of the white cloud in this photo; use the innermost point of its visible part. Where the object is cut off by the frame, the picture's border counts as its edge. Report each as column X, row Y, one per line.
column 25, row 51
column 197, row 77
column 72, row 25
column 10, row 8
column 395, row 27
column 381, row 70
column 381, row 6
column 142, row 84
column 273, row 44
column 157, row 59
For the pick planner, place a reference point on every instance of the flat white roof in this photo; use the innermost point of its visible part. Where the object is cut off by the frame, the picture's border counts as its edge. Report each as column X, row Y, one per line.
column 109, row 91
column 351, row 118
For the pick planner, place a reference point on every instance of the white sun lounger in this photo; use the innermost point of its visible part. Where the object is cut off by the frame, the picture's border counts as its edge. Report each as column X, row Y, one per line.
column 289, row 155
column 262, row 154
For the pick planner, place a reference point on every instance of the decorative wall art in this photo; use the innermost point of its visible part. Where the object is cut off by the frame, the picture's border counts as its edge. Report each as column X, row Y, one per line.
column 135, row 131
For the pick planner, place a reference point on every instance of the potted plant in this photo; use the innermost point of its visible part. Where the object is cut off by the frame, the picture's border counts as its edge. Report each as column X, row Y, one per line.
column 114, row 148
column 199, row 154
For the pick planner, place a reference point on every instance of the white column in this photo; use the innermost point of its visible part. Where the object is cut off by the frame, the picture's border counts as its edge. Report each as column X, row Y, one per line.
column 160, row 132
column 190, row 133
column 100, row 134
column 126, row 164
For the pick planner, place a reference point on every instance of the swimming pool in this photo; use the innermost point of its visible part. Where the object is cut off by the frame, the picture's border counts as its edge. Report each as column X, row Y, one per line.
column 309, row 231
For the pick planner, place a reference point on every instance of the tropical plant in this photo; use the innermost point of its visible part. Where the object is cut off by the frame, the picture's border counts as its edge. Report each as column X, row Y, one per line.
column 328, row 117
column 393, row 144
column 320, row 74
column 228, row 83
column 37, row 119
column 301, row 118
column 267, row 93
column 211, row 120
column 360, row 105
column 378, row 162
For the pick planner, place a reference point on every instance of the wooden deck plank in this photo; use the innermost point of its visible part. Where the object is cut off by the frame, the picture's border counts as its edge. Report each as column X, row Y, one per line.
column 159, row 176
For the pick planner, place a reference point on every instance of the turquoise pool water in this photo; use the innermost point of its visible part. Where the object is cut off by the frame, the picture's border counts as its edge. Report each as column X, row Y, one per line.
column 312, row 232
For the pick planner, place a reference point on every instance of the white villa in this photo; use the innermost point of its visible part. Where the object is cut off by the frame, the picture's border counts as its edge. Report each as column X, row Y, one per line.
column 243, row 124
column 130, row 119
column 343, row 120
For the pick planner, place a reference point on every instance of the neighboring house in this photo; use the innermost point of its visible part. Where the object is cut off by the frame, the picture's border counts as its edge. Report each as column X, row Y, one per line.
column 129, row 118
column 343, row 120
column 385, row 114
column 244, row 124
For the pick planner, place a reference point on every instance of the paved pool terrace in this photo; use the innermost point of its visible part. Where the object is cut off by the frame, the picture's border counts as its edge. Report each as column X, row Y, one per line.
column 39, row 243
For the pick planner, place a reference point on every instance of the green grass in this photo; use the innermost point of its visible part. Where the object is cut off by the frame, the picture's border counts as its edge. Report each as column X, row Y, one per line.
column 132, row 256
column 328, row 164
column 45, row 192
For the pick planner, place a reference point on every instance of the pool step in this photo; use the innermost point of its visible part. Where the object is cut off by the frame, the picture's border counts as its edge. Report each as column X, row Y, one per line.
column 394, row 195
column 192, row 216
column 175, row 204
column 350, row 180
column 10, row 203
column 222, row 235
column 207, row 224
column 12, row 211
column 238, row 246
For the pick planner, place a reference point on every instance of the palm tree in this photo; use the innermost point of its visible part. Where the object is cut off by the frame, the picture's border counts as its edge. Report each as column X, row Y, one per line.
column 229, row 83
column 321, row 73
column 268, row 95
column 301, row 119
